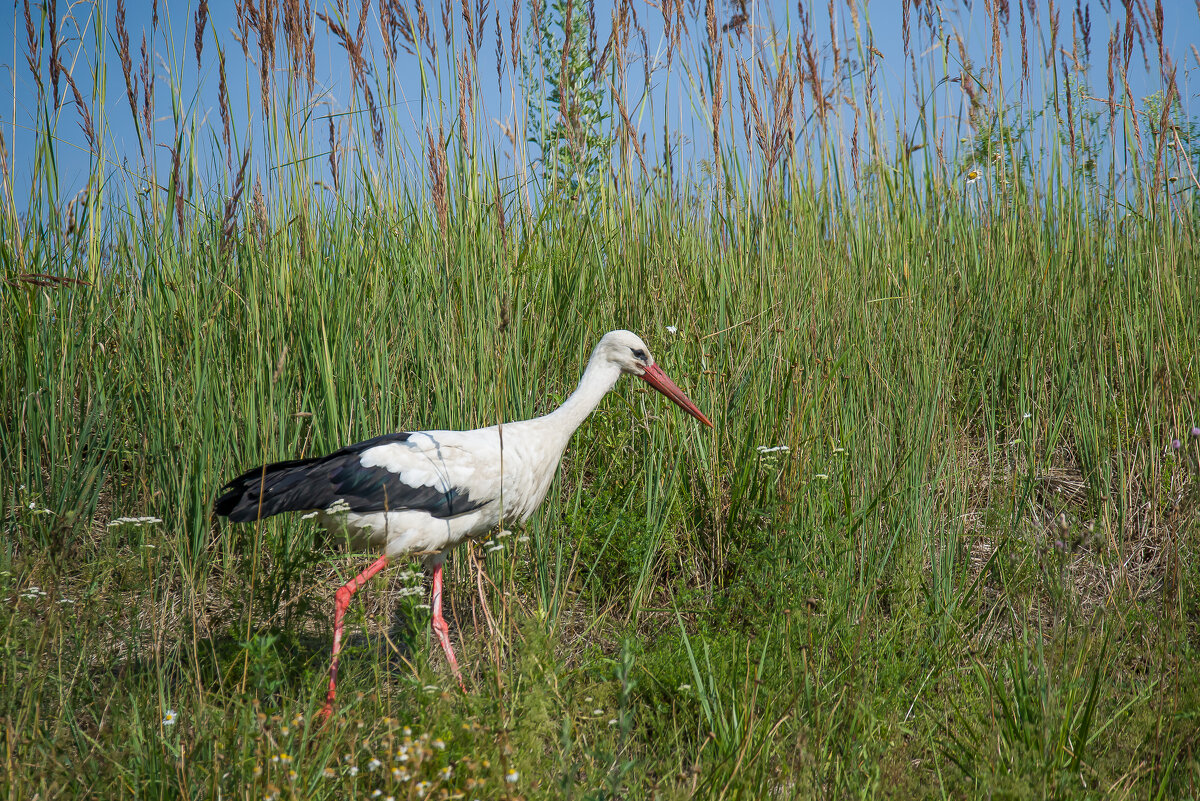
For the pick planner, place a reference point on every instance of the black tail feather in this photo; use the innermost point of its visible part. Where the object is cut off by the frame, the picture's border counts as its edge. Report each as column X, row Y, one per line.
column 271, row 489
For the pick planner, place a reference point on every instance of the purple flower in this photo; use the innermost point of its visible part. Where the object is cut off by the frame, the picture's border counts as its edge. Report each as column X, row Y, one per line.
column 1196, row 431
column 1176, row 444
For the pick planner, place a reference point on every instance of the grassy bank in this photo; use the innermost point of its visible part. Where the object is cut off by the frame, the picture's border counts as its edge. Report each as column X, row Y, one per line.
column 940, row 543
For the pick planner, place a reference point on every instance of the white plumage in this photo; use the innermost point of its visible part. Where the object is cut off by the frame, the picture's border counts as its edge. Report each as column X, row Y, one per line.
column 422, row 493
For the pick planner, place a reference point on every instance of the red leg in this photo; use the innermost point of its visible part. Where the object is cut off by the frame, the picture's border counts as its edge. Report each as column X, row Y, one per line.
column 340, row 604
column 440, row 629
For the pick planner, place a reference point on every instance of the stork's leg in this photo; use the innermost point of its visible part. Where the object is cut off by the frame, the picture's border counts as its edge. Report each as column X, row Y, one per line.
column 440, row 629
column 340, row 604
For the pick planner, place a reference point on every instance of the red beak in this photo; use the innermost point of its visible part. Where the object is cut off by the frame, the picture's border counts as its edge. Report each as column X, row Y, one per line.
column 655, row 377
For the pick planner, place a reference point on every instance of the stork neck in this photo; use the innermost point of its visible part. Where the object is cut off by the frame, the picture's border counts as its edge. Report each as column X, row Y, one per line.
column 599, row 377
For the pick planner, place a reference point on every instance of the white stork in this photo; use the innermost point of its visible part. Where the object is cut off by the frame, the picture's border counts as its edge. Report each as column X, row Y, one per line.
column 423, row 492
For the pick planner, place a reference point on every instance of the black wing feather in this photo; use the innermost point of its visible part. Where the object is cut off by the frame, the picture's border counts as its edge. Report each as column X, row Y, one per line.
column 306, row 484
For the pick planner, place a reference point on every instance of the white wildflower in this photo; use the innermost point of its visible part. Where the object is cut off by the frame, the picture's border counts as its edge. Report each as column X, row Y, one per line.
column 169, row 717
column 131, row 521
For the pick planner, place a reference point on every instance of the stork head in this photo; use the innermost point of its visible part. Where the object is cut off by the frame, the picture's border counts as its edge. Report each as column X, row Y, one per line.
column 627, row 351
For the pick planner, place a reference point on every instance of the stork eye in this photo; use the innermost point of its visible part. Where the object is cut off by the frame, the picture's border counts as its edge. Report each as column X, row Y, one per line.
column 640, row 354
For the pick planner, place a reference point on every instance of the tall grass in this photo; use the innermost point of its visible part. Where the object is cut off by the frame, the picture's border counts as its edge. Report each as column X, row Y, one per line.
column 940, row 544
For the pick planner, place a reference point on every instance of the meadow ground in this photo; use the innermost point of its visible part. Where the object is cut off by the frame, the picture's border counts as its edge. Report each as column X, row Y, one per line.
column 940, row 544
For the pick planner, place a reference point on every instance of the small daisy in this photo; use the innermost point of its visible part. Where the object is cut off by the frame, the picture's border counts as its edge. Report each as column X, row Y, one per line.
column 170, row 717
column 512, row 776
column 376, row 793
column 374, row 765
column 672, row 329
column 439, row 744
column 973, row 175
column 422, row 787
column 447, row 772
column 293, row 775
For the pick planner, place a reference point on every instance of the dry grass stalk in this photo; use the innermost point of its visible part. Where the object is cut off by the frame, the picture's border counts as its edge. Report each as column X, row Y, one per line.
column 406, row 28
column 514, row 38
column 33, row 47
column 177, row 181
column 566, row 99
column 469, row 22
column 51, row 12
column 147, row 76
column 354, row 47
column 223, row 103
column 836, row 60
column 229, row 221
column 1112, row 87
column 761, row 134
column 716, row 49
column 466, row 104
column 630, row 132
column 334, row 170
column 1048, row 62
column 501, row 222
column 261, row 221
column 85, row 121
column 812, row 70
column 124, row 51
column 435, row 155
column 390, row 24
column 423, row 26
column 201, row 23
column 499, row 54
column 1024, row 48
column 1083, row 19
column 1070, row 111
column 301, row 37
column 1164, row 123
column 481, row 13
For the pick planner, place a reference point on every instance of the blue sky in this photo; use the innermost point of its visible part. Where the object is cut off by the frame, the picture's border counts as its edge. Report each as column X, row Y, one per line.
column 667, row 98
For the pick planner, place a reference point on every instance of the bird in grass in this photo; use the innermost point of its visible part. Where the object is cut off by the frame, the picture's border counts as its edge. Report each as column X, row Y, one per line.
column 420, row 493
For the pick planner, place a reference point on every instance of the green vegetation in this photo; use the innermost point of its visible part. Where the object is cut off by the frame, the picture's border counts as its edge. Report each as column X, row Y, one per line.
column 940, row 544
